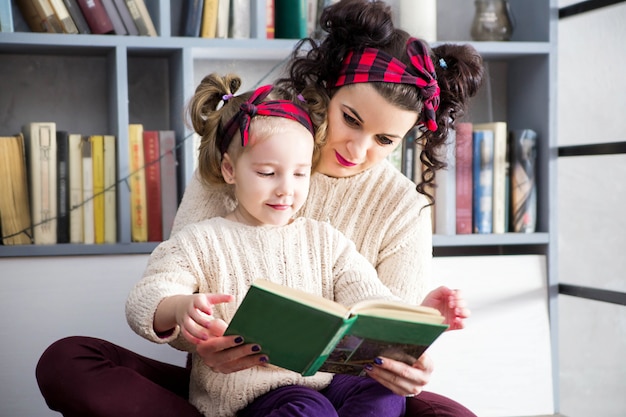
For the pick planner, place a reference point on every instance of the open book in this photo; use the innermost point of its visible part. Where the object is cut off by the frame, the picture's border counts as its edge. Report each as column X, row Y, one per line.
column 307, row 333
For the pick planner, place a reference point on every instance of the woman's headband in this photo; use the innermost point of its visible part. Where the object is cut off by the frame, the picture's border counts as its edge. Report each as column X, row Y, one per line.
column 255, row 106
column 372, row 65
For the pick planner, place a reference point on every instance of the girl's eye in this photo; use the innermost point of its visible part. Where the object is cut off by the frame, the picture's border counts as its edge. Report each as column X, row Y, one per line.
column 384, row 140
column 265, row 174
column 350, row 120
column 301, row 174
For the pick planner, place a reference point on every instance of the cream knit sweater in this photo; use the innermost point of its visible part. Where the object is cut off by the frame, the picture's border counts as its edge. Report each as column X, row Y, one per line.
column 221, row 256
column 379, row 210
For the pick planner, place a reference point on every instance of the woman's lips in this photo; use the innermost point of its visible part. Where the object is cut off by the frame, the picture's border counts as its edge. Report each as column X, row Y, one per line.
column 343, row 161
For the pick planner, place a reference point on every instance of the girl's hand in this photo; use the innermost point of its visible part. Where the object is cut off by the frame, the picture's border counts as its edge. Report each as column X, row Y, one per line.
column 402, row 379
column 193, row 313
column 450, row 304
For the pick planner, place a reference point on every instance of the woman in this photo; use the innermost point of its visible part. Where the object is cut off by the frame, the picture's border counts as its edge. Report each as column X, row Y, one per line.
column 376, row 84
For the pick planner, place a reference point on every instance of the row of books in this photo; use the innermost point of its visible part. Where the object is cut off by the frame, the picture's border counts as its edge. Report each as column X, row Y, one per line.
column 489, row 185
column 153, row 182
column 60, row 187
column 118, row 17
column 285, row 19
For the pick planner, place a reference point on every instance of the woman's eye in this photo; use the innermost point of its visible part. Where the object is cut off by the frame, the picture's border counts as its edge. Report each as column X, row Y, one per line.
column 384, row 140
column 350, row 120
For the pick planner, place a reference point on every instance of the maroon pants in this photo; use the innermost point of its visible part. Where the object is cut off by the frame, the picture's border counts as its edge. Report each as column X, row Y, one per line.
column 88, row 377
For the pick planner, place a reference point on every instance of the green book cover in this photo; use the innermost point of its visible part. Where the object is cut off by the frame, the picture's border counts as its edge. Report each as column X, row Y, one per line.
column 306, row 333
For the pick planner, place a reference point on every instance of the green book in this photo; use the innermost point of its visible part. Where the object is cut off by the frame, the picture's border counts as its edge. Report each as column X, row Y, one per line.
column 307, row 333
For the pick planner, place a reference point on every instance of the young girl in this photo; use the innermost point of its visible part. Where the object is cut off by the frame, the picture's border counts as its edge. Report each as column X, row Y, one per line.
column 354, row 189
column 265, row 149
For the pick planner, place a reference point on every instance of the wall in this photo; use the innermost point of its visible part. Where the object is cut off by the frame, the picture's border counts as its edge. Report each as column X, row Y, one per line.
column 591, row 199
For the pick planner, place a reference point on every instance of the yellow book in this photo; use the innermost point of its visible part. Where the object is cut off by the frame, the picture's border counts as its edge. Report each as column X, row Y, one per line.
column 137, row 178
column 60, row 10
column 110, row 190
column 14, row 204
column 97, row 155
column 209, row 19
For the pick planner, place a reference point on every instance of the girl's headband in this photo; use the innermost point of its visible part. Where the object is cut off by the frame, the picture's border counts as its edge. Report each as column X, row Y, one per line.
column 371, row 65
column 255, row 106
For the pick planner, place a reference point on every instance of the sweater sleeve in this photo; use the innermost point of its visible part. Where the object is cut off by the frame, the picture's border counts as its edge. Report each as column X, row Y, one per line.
column 171, row 271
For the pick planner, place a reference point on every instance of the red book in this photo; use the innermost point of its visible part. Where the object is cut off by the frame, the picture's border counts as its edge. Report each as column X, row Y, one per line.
column 464, row 183
column 96, row 16
column 153, row 184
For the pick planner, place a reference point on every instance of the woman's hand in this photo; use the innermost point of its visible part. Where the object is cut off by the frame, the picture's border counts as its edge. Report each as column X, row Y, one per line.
column 402, row 379
column 226, row 354
column 450, row 304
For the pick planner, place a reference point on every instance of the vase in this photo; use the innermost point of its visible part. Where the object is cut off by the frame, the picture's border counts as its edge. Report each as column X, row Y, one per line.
column 493, row 21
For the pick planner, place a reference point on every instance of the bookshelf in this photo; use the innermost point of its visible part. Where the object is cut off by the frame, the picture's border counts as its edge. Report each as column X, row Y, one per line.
column 101, row 83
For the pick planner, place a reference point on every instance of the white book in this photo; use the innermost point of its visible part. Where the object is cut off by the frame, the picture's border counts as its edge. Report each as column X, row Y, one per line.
column 445, row 194
column 41, row 143
column 223, row 18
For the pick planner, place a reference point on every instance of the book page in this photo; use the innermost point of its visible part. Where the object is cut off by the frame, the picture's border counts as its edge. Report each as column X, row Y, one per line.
column 397, row 310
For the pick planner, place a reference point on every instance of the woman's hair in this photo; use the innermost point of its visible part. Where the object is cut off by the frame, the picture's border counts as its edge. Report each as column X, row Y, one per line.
column 214, row 103
column 356, row 24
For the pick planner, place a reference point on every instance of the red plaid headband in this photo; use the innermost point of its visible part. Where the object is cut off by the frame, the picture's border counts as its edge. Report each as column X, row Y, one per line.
column 255, row 106
column 371, row 65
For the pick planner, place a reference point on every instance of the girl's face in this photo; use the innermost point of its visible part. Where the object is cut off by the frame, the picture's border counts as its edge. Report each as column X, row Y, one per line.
column 363, row 129
column 272, row 174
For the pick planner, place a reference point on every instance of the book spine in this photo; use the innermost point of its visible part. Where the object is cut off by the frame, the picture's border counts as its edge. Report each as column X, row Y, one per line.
column 76, row 188
column 270, row 26
column 88, row 206
column 63, row 195
column 110, row 189
column 290, row 19
column 523, row 181
column 14, row 203
column 208, row 19
column 30, row 15
column 151, row 153
column 240, row 19
column 223, row 16
column 129, row 23
column 116, row 19
column 42, row 137
column 445, row 197
column 64, row 16
column 96, row 16
column 97, row 157
column 332, row 343
column 464, row 179
column 138, row 210
column 6, row 16
column 49, row 19
column 169, row 185
column 77, row 16
column 483, row 181
column 192, row 17
column 141, row 17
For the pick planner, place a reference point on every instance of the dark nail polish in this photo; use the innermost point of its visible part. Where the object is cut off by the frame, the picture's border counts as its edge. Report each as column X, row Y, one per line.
column 238, row 339
column 256, row 348
column 368, row 367
column 378, row 361
column 264, row 359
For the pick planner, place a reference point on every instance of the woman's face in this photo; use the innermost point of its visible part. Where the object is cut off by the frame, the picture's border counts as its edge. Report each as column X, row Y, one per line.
column 363, row 129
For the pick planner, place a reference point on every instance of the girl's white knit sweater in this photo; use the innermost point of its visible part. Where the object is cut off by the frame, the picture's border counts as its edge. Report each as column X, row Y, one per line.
column 378, row 209
column 221, row 256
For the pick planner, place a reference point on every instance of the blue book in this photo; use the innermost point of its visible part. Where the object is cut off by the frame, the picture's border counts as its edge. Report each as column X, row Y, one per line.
column 483, row 181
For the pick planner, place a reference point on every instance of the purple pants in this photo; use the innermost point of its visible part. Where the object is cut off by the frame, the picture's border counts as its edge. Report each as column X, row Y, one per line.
column 88, row 377
column 346, row 396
